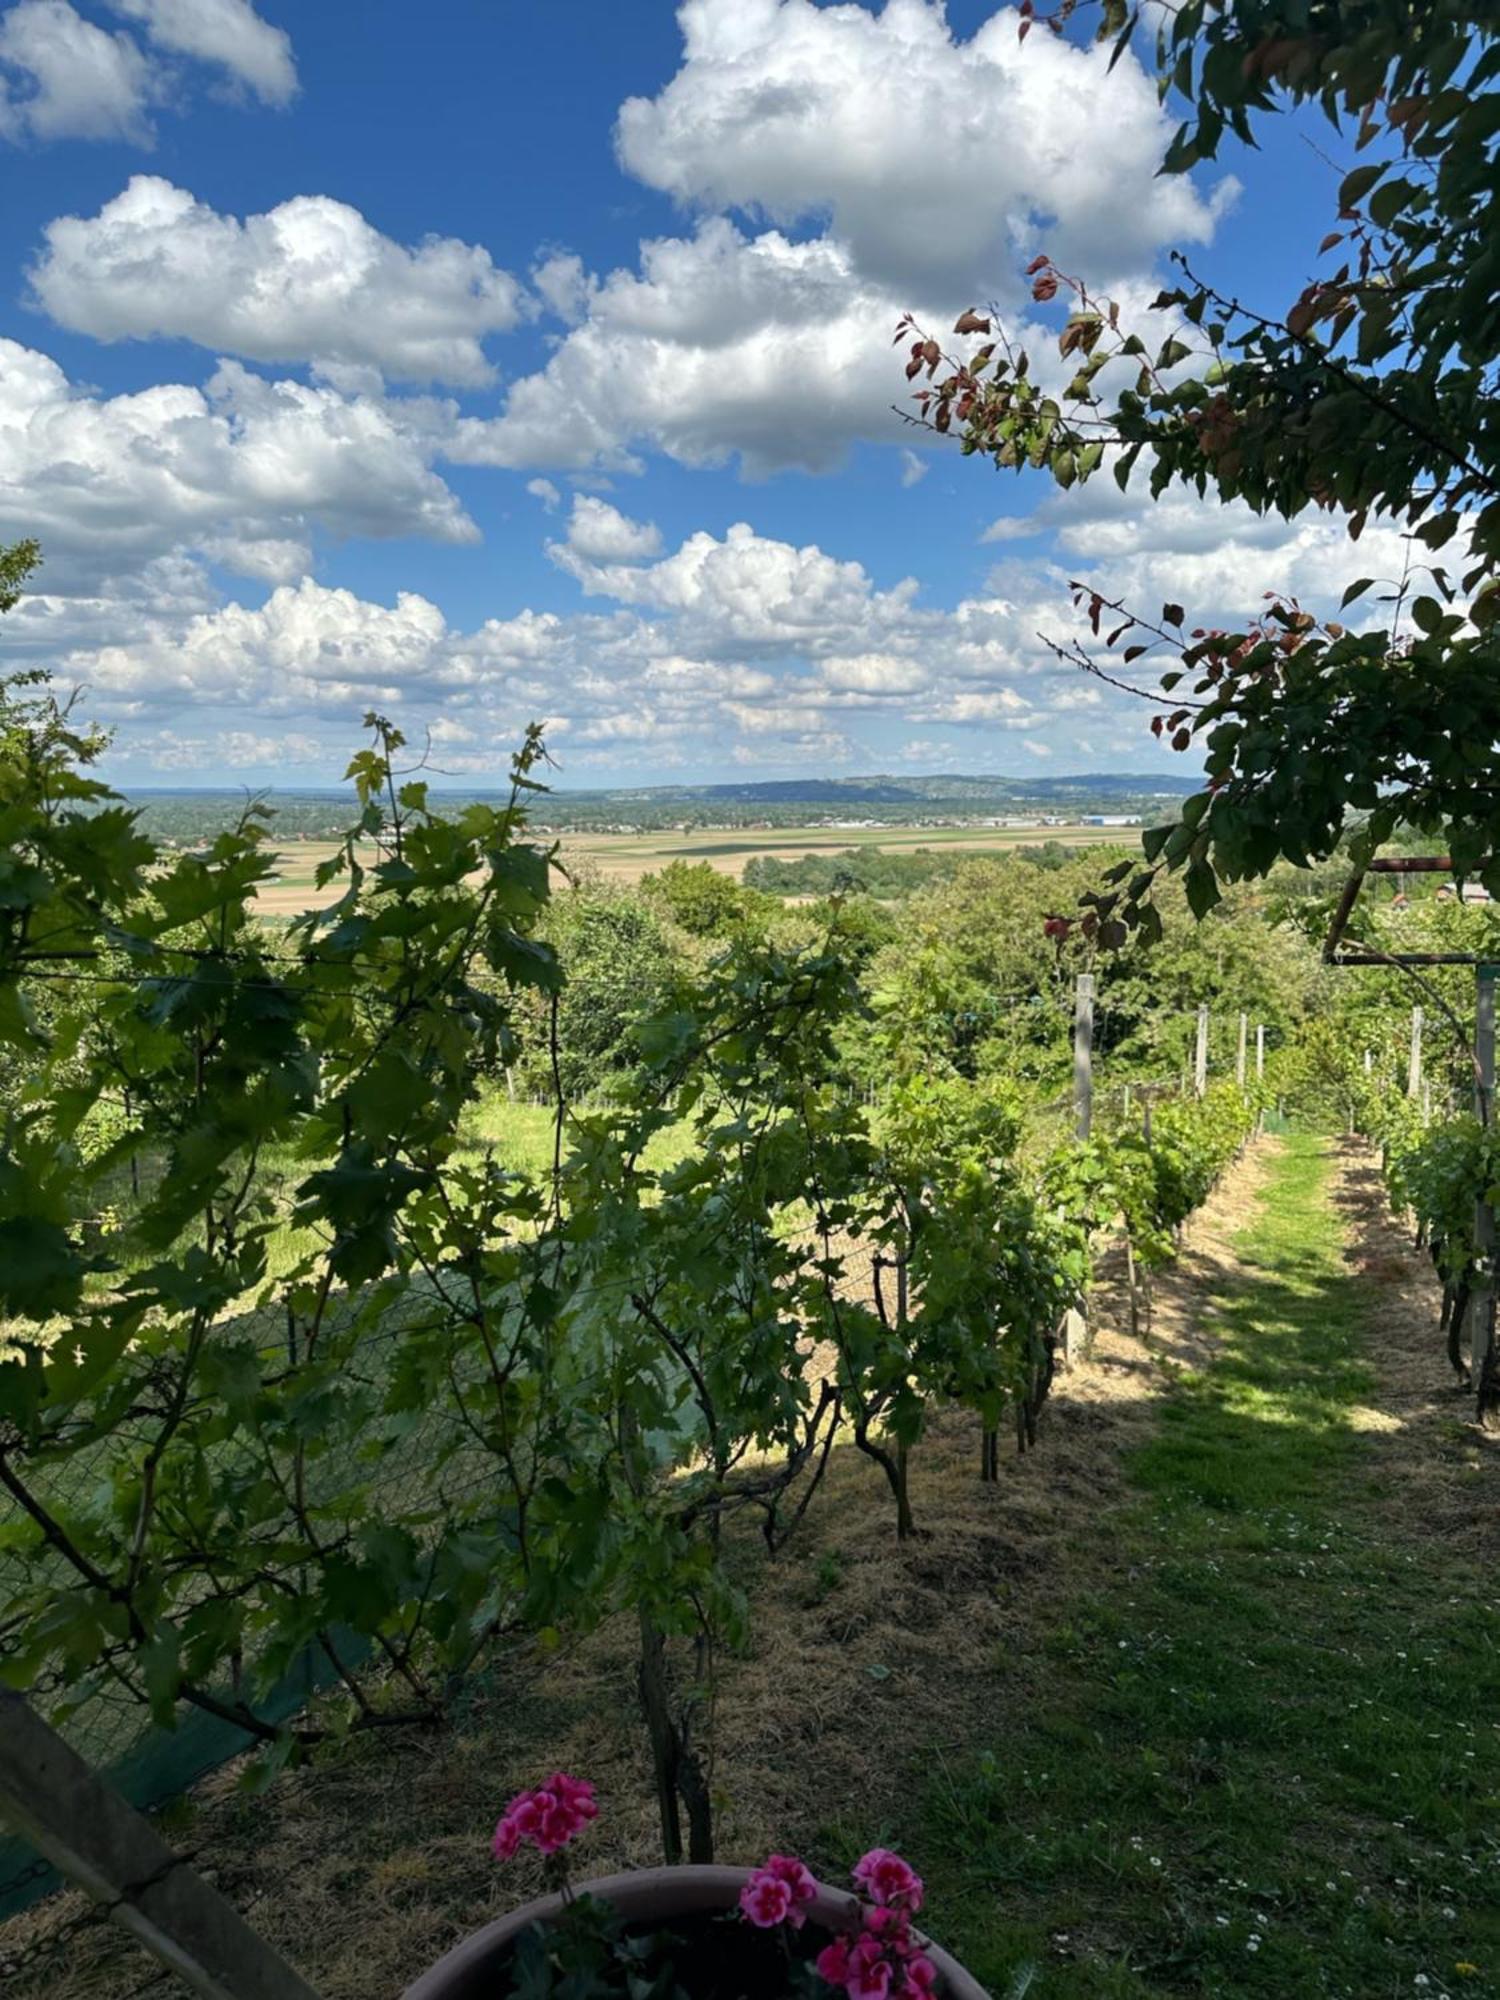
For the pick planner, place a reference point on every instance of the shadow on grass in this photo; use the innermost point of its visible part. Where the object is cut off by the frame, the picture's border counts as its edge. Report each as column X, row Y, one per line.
column 1261, row 1756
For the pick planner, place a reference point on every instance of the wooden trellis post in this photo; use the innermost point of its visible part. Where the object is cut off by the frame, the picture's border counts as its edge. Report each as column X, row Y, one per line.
column 1200, row 1054
column 1075, row 1325
column 88, row 1832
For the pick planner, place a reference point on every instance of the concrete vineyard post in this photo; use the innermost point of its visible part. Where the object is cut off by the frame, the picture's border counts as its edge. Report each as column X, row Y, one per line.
column 1239, row 1054
column 1083, row 1054
column 1414, row 1067
column 1075, row 1325
column 1200, row 1054
column 1260, row 1073
column 88, row 1832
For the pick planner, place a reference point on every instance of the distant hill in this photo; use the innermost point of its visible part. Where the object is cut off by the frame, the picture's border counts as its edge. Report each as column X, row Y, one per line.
column 896, row 800
column 900, row 799
column 948, row 787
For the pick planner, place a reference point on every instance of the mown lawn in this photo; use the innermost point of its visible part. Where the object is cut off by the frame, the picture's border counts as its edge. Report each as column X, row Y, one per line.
column 1266, row 1755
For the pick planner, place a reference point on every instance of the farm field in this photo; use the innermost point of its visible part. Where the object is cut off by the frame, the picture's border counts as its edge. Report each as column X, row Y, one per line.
column 626, row 857
column 1242, row 1743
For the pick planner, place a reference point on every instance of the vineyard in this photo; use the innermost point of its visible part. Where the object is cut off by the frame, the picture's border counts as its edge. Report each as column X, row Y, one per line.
column 344, row 1392
column 792, row 1385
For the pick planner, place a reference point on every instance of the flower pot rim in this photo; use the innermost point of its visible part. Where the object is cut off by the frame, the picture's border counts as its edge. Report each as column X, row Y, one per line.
column 661, row 1893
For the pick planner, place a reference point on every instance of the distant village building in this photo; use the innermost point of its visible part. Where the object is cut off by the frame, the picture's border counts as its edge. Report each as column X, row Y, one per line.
column 1468, row 892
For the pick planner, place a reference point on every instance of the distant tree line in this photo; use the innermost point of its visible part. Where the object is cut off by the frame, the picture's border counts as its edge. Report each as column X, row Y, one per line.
column 870, row 871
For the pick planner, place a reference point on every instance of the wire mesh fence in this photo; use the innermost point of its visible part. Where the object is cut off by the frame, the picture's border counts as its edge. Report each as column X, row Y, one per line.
column 102, row 1716
column 105, row 1720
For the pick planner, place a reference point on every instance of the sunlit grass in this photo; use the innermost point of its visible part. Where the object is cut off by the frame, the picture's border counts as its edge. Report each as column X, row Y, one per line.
column 1267, row 1759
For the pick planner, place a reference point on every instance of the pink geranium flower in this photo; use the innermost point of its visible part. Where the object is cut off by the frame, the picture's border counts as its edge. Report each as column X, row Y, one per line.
column 888, row 1880
column 884, row 1960
column 765, row 1901
column 546, row 1818
column 833, row 1961
column 871, row 1970
column 778, row 1892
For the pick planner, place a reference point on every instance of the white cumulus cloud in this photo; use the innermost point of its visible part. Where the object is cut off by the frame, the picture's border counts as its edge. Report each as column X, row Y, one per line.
column 942, row 163
column 930, row 168
column 107, row 482
column 599, row 533
column 721, row 346
column 308, row 280
column 62, row 77
column 726, row 649
column 226, row 33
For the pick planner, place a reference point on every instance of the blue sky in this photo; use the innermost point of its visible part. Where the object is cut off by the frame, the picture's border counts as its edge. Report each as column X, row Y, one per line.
column 500, row 361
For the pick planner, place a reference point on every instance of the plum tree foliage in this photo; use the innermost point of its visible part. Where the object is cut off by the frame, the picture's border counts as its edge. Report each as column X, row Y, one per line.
column 1372, row 394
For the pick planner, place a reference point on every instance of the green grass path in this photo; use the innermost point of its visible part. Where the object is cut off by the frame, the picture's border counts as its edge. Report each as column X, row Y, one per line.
column 1263, row 1754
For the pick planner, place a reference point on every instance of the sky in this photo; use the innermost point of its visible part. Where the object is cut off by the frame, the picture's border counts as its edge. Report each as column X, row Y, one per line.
column 483, row 363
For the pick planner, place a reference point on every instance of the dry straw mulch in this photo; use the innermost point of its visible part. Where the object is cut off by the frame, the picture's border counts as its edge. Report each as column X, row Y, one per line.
column 1437, row 1465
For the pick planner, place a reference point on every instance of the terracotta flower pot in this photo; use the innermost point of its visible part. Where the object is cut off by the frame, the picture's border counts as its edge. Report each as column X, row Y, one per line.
column 645, row 1896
